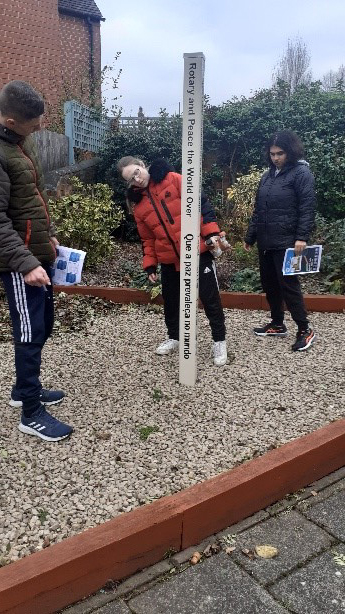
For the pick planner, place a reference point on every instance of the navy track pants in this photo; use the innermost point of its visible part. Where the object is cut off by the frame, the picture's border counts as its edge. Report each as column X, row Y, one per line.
column 32, row 314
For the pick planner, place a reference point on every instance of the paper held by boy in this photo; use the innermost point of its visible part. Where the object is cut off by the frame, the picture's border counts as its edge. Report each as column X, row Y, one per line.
column 68, row 266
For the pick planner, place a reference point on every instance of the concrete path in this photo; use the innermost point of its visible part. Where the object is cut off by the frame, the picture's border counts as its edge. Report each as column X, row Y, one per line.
column 307, row 576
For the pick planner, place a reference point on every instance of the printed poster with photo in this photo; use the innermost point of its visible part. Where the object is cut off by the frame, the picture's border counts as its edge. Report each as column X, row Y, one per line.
column 307, row 262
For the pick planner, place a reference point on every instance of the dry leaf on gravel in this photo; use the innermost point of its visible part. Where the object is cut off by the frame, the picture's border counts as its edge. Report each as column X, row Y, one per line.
column 339, row 559
column 230, row 549
column 266, row 552
column 211, row 549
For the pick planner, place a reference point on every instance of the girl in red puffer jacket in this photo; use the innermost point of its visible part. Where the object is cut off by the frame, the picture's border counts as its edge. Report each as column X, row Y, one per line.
column 155, row 197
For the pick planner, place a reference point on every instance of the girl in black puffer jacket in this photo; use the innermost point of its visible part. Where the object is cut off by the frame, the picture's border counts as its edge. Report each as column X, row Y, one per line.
column 283, row 217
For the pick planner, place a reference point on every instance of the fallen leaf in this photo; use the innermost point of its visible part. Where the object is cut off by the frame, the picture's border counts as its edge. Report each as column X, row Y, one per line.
column 208, row 551
column 211, row 549
column 313, row 492
column 230, row 549
column 195, row 558
column 266, row 552
column 248, row 553
column 339, row 559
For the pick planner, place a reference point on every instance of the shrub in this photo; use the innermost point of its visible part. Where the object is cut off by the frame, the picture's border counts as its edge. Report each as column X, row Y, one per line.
column 241, row 256
column 241, row 198
column 332, row 236
column 327, row 162
column 138, row 279
column 86, row 218
column 246, row 280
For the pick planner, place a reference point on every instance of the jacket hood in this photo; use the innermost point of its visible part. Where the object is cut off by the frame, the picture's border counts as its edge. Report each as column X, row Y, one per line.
column 159, row 170
column 288, row 167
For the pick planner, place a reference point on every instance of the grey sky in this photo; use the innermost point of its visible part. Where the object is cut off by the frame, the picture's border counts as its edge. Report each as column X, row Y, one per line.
column 242, row 41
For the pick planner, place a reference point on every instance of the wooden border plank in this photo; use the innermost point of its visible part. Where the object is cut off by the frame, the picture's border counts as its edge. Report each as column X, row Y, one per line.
column 230, row 300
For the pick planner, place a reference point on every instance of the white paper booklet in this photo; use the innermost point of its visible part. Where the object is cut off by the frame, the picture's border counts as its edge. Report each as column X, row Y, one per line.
column 307, row 262
column 68, row 266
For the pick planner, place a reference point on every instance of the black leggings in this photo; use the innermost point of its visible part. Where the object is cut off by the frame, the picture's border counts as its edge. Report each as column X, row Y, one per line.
column 279, row 288
column 208, row 292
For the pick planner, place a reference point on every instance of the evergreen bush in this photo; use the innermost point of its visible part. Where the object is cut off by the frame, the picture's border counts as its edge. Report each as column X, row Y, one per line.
column 85, row 219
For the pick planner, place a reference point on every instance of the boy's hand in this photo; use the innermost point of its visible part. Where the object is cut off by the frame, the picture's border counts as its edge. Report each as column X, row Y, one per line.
column 299, row 247
column 153, row 277
column 37, row 277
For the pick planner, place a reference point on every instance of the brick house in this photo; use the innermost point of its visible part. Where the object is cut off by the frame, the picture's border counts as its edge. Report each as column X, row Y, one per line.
column 56, row 46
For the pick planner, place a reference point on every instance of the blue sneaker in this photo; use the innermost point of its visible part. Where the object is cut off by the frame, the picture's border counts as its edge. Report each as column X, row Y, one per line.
column 47, row 397
column 45, row 426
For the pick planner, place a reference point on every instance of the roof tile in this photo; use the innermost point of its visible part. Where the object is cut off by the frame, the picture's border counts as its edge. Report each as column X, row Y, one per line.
column 80, row 7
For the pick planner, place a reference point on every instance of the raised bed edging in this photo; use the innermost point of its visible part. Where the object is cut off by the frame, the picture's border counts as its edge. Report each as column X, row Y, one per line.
column 230, row 300
column 51, row 579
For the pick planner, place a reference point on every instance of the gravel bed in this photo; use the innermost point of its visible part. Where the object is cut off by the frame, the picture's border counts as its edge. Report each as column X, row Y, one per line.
column 116, row 387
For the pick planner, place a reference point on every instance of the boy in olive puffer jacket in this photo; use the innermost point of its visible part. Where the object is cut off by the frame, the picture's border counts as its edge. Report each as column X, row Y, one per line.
column 27, row 250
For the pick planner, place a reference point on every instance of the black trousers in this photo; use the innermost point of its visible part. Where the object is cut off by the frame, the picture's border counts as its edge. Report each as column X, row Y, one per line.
column 32, row 314
column 208, row 293
column 281, row 288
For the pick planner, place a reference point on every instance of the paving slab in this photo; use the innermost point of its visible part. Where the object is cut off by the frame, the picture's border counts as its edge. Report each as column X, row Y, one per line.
column 329, row 479
column 238, row 527
column 322, row 495
column 316, row 588
column 116, row 607
column 330, row 514
column 216, row 586
column 296, row 539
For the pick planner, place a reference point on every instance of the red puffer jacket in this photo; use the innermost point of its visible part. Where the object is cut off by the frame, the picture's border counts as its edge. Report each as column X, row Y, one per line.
column 157, row 212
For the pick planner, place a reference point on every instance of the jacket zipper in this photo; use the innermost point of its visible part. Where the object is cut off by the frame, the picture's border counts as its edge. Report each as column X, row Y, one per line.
column 28, row 233
column 162, row 223
column 168, row 214
column 39, row 195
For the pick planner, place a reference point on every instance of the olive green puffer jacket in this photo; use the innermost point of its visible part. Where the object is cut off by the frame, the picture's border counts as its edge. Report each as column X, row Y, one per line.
column 25, row 230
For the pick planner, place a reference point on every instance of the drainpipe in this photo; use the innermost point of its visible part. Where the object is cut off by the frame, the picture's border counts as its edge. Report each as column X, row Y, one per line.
column 91, row 59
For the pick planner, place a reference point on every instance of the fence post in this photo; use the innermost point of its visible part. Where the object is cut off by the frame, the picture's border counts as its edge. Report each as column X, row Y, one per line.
column 69, row 130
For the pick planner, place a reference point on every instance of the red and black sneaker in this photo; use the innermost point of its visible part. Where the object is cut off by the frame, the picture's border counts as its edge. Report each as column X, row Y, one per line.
column 271, row 330
column 304, row 339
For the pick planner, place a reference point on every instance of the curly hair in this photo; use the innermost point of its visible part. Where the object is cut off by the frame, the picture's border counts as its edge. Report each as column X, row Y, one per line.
column 289, row 142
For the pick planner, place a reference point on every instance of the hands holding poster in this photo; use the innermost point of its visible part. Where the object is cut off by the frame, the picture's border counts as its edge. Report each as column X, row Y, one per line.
column 68, row 266
column 307, row 262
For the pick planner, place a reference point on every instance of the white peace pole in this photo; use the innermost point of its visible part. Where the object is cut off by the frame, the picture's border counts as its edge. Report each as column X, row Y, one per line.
column 193, row 94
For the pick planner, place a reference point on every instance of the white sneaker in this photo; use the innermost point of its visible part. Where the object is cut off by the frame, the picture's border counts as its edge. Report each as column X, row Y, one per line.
column 219, row 352
column 167, row 347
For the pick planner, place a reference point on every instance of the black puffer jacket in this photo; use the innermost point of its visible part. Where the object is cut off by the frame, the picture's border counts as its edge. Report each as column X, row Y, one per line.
column 284, row 208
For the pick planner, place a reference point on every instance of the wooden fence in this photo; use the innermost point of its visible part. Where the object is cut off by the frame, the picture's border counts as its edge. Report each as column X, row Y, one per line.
column 52, row 148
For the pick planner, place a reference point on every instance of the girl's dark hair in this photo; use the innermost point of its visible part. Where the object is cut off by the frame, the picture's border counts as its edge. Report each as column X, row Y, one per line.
column 20, row 101
column 289, row 142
